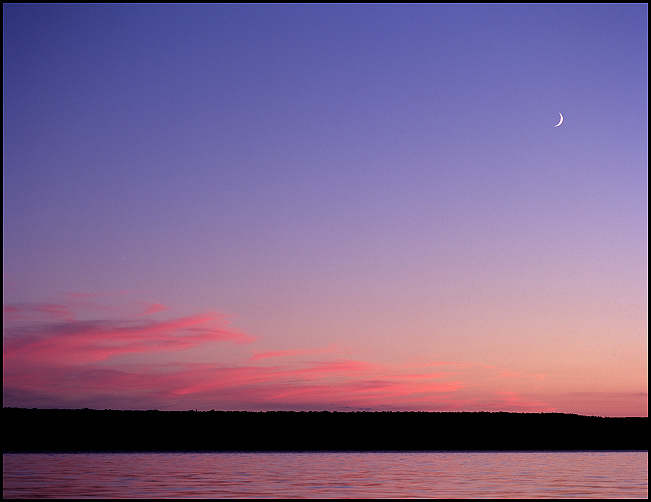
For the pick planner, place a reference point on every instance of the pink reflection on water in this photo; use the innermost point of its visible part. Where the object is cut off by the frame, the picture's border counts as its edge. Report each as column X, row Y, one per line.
column 328, row 475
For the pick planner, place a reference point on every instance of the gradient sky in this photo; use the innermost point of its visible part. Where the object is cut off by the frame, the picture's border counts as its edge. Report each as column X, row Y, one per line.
column 341, row 207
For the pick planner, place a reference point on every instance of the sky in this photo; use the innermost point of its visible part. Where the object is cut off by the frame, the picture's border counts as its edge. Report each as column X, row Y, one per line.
column 326, row 207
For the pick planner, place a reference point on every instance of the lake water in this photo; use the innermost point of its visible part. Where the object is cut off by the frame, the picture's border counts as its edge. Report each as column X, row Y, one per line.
column 327, row 475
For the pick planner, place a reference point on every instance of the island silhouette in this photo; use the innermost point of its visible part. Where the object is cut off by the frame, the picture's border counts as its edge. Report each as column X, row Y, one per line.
column 88, row 430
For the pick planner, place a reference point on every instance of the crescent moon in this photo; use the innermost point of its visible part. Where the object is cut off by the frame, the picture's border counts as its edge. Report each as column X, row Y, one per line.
column 561, row 119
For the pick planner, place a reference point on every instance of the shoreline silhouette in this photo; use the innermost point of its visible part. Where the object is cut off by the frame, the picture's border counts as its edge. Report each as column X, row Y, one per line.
column 88, row 430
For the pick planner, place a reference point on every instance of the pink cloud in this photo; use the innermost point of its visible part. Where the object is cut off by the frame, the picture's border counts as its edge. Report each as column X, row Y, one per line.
column 21, row 311
column 54, row 353
column 514, row 401
column 153, row 308
column 52, row 334
column 337, row 383
column 341, row 384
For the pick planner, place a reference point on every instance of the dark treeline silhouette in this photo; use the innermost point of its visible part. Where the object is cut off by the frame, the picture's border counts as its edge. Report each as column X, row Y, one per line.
column 31, row 430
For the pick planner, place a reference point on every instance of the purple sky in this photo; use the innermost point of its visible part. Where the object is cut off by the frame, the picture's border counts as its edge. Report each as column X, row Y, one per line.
column 326, row 207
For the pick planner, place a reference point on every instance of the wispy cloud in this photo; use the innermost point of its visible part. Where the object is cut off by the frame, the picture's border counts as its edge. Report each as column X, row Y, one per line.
column 23, row 311
column 153, row 308
column 54, row 334
column 81, row 342
column 62, row 354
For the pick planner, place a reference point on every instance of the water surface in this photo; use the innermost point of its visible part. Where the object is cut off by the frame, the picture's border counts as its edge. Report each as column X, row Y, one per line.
column 327, row 475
